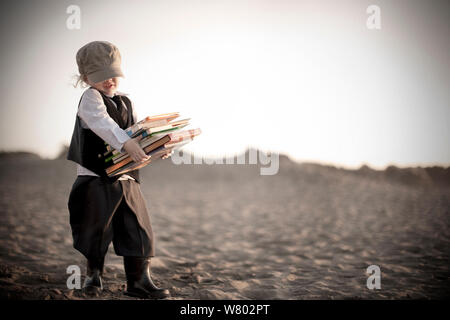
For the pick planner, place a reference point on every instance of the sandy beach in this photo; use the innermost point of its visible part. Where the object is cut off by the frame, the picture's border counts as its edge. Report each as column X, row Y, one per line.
column 226, row 232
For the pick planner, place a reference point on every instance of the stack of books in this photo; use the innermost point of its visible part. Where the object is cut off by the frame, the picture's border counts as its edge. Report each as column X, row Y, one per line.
column 157, row 135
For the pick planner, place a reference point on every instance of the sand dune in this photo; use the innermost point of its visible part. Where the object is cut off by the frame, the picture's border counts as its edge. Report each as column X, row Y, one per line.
column 308, row 232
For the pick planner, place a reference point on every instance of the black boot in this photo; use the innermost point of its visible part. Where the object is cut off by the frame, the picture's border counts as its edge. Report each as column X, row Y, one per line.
column 139, row 282
column 93, row 282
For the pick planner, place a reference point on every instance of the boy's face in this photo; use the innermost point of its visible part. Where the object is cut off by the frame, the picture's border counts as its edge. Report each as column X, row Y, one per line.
column 108, row 87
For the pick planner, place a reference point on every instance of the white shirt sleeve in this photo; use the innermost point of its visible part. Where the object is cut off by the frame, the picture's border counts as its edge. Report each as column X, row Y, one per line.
column 92, row 112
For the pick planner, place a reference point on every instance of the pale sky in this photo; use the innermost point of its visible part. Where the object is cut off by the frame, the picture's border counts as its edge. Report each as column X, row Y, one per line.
column 303, row 78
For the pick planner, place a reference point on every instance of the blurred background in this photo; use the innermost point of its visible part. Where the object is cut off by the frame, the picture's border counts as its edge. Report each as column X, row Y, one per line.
column 307, row 79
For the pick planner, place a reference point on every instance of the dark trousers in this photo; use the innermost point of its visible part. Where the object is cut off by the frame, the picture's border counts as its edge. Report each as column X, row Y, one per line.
column 102, row 212
column 128, row 238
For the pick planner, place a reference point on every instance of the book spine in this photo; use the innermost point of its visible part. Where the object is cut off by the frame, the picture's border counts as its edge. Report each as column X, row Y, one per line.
column 118, row 156
column 139, row 128
column 109, row 158
column 154, row 154
column 185, row 134
column 133, row 129
column 147, row 150
column 177, row 145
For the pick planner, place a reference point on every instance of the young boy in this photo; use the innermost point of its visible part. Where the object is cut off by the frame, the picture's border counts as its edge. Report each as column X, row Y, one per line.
column 104, row 209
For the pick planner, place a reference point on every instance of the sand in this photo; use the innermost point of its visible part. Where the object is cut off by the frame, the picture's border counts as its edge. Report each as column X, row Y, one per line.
column 226, row 232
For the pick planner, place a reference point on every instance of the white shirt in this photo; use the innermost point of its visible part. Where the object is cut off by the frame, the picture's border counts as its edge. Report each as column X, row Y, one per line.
column 93, row 115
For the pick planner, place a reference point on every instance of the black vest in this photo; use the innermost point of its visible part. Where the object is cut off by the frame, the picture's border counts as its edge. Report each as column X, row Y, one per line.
column 87, row 149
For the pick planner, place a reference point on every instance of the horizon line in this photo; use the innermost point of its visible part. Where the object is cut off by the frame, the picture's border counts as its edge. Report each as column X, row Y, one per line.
column 337, row 165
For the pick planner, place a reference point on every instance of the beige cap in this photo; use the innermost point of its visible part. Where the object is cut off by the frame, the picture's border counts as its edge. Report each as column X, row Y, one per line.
column 99, row 61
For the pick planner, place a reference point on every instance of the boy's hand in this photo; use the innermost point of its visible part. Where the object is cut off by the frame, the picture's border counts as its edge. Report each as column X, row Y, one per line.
column 167, row 155
column 135, row 151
